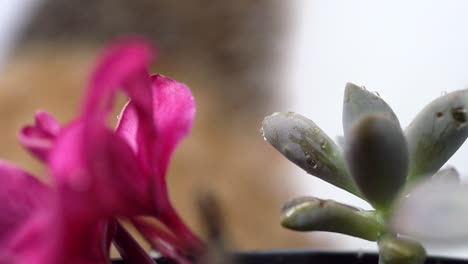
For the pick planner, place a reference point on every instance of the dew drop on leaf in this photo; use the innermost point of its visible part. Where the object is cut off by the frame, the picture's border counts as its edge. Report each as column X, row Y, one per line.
column 262, row 132
column 310, row 161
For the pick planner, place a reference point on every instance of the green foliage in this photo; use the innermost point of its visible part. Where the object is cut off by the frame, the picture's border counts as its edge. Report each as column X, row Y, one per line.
column 378, row 162
column 313, row 214
column 359, row 102
column 436, row 134
column 377, row 156
column 399, row 250
column 304, row 143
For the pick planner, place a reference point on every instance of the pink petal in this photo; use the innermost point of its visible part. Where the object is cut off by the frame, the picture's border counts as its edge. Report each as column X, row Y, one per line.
column 98, row 173
column 47, row 123
column 88, row 159
column 38, row 138
column 169, row 217
column 173, row 114
column 137, row 129
column 29, row 244
column 123, row 66
column 54, row 237
column 20, row 196
column 162, row 241
column 36, row 228
column 174, row 111
column 128, row 124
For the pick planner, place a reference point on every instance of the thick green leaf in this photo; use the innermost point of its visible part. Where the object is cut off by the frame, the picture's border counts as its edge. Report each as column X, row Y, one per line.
column 436, row 134
column 399, row 250
column 313, row 214
column 302, row 142
column 377, row 157
column 359, row 102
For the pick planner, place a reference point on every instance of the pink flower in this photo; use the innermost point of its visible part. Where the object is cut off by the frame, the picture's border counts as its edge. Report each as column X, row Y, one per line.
column 99, row 174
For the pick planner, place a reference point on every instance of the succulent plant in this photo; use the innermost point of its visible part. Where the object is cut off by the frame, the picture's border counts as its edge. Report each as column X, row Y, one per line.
column 379, row 163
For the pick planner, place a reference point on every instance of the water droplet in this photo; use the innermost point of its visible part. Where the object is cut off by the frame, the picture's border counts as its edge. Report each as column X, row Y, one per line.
column 118, row 117
column 439, row 114
column 311, row 161
column 363, row 87
column 323, row 143
column 443, row 93
column 262, row 132
column 376, row 93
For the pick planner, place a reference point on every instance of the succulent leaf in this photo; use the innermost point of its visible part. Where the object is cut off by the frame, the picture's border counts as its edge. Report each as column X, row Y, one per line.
column 377, row 157
column 313, row 214
column 305, row 144
column 436, row 134
column 434, row 211
column 399, row 250
column 359, row 102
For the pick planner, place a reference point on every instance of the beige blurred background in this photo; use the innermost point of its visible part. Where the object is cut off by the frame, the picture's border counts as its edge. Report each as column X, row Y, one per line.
column 229, row 52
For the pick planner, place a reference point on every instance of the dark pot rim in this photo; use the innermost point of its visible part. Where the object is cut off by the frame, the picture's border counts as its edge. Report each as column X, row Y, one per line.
column 283, row 256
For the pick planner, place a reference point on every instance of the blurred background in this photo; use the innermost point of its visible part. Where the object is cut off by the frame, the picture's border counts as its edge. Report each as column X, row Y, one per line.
column 229, row 52
column 243, row 60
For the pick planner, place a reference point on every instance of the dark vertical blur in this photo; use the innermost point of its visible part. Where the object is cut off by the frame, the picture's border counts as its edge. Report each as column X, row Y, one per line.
column 229, row 52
